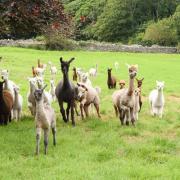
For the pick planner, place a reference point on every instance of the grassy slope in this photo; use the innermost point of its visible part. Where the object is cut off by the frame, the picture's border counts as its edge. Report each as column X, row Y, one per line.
column 97, row 149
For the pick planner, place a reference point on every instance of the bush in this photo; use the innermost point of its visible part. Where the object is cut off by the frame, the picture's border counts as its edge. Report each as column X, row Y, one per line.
column 162, row 33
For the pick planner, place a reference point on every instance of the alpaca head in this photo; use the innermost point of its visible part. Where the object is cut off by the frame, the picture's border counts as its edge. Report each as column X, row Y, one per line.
column 16, row 89
column 160, row 85
column 81, row 91
column 4, row 74
column 139, row 82
column 132, row 70
column 32, row 81
column 40, row 81
column 109, row 70
column 137, row 92
column 84, row 77
column 38, row 93
column 122, row 83
column 65, row 65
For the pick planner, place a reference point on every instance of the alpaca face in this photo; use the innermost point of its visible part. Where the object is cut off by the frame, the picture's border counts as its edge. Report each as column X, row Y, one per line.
column 40, row 82
column 132, row 70
column 65, row 65
column 160, row 85
column 38, row 94
column 4, row 74
column 81, row 93
column 137, row 92
column 139, row 82
column 122, row 84
column 84, row 77
column 109, row 70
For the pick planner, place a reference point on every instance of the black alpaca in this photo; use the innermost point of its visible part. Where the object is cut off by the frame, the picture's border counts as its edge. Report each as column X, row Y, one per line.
column 6, row 104
column 65, row 92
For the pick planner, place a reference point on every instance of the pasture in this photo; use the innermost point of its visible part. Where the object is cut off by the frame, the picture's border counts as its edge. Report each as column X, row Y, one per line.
column 96, row 148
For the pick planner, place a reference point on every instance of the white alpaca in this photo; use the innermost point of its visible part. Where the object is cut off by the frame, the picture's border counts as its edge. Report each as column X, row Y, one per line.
column 53, row 69
column 116, row 65
column 136, row 104
column 52, row 90
column 85, row 79
column 93, row 71
column 156, row 100
column 18, row 102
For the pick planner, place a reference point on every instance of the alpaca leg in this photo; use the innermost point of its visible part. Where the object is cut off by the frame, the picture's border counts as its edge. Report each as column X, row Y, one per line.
column 46, row 134
column 121, row 115
column 54, row 135
column 38, row 137
column 116, row 110
column 160, row 113
column 62, row 111
column 6, row 119
column 97, row 109
column 86, row 110
column 76, row 107
column 67, row 111
column 81, row 108
column 127, row 114
column 132, row 116
column 140, row 104
column 19, row 114
column 15, row 115
column 72, row 113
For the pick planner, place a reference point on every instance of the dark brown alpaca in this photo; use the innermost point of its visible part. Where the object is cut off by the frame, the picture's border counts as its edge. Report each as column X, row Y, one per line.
column 139, row 85
column 74, row 74
column 111, row 81
column 65, row 92
column 6, row 104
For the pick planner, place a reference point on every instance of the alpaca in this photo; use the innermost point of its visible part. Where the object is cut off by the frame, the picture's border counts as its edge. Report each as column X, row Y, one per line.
column 40, row 65
column 139, row 85
column 38, row 71
column 52, row 90
column 85, row 79
column 116, row 65
column 53, row 70
column 93, row 71
column 18, row 102
column 115, row 100
column 136, row 104
column 156, row 99
column 44, row 119
column 122, row 84
column 111, row 81
column 87, row 95
column 30, row 96
column 65, row 92
column 127, row 98
column 74, row 74
column 6, row 104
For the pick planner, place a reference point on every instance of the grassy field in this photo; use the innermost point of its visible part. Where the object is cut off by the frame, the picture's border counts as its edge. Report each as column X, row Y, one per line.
column 96, row 148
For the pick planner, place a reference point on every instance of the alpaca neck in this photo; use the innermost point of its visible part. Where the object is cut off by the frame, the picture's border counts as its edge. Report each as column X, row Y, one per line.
column 6, row 84
column 39, row 106
column 159, row 95
column 66, row 82
column 131, row 86
column 109, row 76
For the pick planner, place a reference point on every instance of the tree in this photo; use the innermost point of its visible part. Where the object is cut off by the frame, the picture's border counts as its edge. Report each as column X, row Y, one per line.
column 28, row 18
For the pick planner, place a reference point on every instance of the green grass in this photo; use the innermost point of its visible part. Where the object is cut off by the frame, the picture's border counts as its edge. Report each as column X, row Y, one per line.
column 96, row 149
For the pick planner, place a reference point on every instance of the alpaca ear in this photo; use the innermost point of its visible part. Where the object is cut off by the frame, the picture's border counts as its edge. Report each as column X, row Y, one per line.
column 61, row 60
column 142, row 79
column 137, row 79
column 72, row 59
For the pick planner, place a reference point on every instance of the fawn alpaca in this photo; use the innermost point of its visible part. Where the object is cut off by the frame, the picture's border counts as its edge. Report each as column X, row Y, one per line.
column 139, row 85
column 44, row 119
column 127, row 98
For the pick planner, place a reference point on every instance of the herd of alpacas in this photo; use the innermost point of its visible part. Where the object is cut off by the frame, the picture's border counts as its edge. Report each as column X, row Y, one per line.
column 127, row 102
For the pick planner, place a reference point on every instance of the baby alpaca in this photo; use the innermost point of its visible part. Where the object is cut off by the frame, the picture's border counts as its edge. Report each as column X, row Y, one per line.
column 136, row 104
column 18, row 102
column 93, row 71
column 156, row 100
column 52, row 90
column 87, row 95
column 122, row 84
column 44, row 119
column 53, row 70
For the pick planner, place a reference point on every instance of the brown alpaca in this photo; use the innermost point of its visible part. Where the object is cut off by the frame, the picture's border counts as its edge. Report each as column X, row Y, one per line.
column 6, row 104
column 74, row 74
column 127, row 98
column 139, row 85
column 122, row 84
column 111, row 81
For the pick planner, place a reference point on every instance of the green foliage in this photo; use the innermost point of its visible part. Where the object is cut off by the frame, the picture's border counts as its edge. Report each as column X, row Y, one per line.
column 162, row 33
